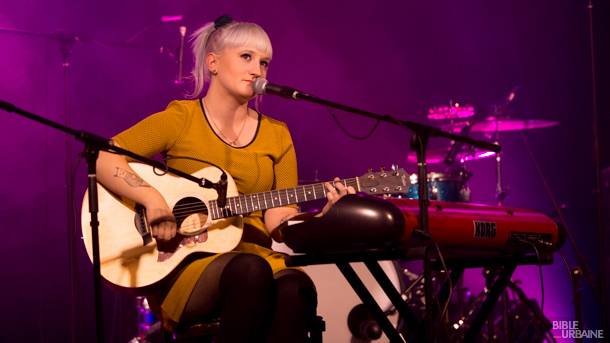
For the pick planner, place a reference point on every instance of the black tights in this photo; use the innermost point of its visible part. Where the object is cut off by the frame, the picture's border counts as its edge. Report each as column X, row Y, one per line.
column 253, row 304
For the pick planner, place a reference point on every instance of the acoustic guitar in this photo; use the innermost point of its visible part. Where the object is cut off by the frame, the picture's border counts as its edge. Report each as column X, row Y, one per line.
column 129, row 255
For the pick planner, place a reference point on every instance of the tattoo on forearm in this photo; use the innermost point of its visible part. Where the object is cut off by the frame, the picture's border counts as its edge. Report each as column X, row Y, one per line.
column 132, row 179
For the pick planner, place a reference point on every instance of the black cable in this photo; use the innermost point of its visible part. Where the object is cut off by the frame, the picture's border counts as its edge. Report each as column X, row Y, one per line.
column 170, row 157
column 533, row 245
column 360, row 138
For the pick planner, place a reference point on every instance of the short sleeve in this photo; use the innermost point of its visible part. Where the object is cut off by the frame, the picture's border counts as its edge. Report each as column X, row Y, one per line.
column 285, row 166
column 156, row 133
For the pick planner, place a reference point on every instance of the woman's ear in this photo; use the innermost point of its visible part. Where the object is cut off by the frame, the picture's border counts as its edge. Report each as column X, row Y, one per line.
column 211, row 61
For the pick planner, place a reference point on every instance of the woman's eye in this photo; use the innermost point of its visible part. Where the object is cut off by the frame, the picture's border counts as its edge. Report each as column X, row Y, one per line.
column 246, row 57
column 265, row 64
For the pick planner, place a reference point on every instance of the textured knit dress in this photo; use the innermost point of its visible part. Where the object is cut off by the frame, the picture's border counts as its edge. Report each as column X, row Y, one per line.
column 183, row 134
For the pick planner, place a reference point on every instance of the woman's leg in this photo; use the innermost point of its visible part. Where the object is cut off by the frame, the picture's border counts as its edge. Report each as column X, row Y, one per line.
column 295, row 307
column 238, row 287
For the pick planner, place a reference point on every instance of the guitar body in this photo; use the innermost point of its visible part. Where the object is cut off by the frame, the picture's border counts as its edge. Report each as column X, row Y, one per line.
column 130, row 257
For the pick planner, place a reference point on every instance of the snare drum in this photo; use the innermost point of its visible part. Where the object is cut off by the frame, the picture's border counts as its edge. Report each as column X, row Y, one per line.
column 441, row 186
column 336, row 298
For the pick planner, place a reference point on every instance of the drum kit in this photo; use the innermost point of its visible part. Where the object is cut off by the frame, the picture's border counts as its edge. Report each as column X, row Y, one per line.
column 337, row 301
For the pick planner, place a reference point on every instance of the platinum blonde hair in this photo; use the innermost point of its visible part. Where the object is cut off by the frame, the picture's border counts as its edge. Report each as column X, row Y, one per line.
column 210, row 39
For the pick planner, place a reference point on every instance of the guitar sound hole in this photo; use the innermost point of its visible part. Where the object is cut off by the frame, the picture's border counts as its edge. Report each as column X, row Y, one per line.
column 191, row 216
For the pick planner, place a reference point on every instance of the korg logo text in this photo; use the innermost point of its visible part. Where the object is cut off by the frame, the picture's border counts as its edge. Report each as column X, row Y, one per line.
column 484, row 229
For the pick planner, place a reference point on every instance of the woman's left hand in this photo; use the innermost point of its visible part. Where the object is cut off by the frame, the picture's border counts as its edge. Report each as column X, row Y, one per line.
column 336, row 191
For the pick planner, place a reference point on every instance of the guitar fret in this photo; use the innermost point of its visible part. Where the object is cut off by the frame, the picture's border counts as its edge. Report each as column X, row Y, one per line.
column 218, row 214
column 323, row 190
column 275, row 199
column 232, row 205
column 297, row 193
column 211, row 209
column 218, row 211
column 290, row 193
column 242, row 205
column 251, row 203
column 246, row 207
column 265, row 199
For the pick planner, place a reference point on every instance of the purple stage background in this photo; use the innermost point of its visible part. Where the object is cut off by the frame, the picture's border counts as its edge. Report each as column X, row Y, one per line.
column 396, row 57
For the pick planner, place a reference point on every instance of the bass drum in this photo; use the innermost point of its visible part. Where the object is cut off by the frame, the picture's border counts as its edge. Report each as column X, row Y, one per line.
column 336, row 298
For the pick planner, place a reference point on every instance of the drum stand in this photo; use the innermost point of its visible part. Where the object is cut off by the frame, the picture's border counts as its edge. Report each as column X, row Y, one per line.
column 468, row 328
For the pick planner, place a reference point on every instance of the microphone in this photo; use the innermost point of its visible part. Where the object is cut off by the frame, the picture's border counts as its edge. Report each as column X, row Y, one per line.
column 262, row 86
column 361, row 323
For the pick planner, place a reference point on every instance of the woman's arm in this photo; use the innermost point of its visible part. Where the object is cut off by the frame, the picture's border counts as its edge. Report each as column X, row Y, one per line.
column 114, row 173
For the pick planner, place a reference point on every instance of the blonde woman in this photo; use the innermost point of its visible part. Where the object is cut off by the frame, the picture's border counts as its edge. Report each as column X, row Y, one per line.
column 249, row 289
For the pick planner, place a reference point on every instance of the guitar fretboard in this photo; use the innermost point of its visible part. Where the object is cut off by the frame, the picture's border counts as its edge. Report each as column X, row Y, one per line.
column 276, row 198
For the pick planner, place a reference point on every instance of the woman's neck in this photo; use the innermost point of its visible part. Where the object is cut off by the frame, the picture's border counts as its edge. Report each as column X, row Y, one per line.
column 225, row 108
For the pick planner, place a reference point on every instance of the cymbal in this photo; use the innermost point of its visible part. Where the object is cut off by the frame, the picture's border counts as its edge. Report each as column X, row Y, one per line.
column 492, row 124
column 455, row 111
column 437, row 155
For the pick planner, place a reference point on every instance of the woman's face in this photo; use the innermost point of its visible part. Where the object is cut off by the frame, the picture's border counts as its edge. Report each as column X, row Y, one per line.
column 237, row 68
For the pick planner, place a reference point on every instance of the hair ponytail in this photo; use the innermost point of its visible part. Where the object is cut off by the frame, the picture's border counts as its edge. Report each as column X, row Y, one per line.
column 200, row 72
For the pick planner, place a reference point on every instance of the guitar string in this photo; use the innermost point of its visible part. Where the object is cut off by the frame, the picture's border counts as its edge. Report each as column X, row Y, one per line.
column 261, row 195
column 189, row 208
column 183, row 208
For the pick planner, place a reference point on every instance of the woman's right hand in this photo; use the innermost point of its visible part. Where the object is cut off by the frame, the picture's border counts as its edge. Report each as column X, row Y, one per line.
column 161, row 219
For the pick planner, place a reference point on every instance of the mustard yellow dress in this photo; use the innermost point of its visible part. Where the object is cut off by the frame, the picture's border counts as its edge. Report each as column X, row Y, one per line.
column 183, row 134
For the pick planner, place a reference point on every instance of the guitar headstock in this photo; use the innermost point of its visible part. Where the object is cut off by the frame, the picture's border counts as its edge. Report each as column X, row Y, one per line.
column 395, row 181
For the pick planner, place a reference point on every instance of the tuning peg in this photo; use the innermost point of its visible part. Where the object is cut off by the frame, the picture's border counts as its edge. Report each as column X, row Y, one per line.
column 395, row 170
column 382, row 172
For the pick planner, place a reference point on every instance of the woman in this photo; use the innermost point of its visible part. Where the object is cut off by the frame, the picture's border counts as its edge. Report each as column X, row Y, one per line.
column 250, row 289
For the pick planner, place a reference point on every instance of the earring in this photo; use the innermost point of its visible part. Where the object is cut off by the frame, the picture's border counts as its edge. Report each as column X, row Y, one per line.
column 214, row 72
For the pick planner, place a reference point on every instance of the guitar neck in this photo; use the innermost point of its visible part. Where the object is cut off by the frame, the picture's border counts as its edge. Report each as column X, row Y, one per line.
column 276, row 198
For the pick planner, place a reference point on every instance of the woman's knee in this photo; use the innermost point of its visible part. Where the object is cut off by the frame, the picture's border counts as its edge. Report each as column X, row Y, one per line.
column 247, row 270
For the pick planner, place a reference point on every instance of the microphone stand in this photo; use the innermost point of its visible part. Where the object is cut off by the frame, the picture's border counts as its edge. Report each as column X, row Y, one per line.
column 419, row 142
column 66, row 42
column 601, row 283
column 93, row 145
